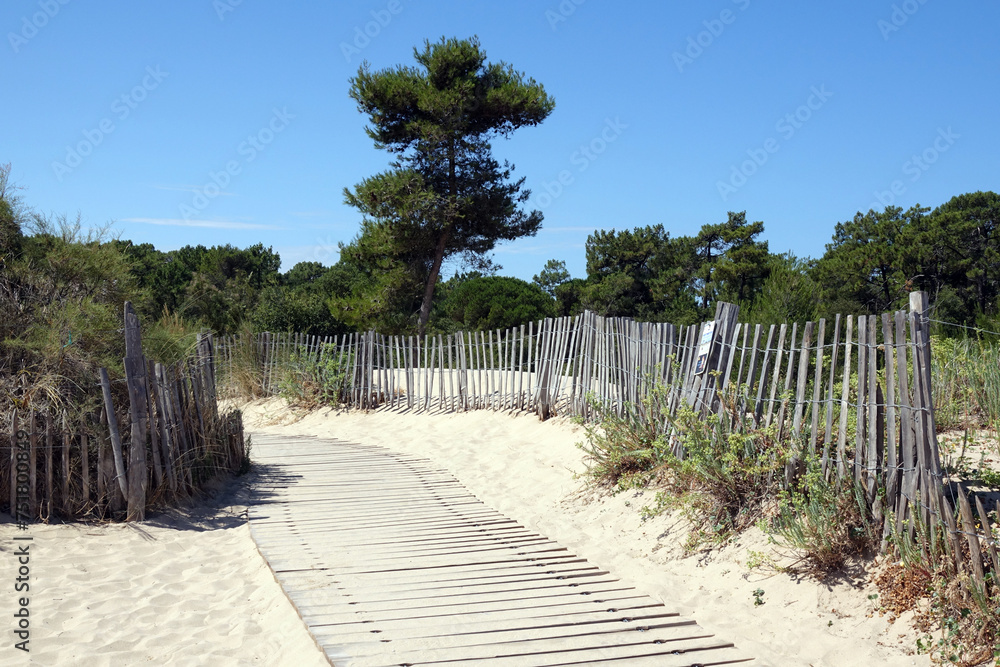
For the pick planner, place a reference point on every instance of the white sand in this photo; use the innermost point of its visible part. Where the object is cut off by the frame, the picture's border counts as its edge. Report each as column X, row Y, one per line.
column 528, row 470
column 190, row 588
column 184, row 588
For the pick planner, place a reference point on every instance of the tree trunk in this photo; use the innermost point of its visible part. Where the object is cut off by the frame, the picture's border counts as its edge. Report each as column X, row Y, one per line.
column 425, row 305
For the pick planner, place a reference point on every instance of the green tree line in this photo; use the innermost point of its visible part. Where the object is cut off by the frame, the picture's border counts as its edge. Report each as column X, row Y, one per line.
column 871, row 264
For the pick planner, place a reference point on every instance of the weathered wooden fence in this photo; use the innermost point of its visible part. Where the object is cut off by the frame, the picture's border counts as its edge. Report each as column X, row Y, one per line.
column 854, row 392
column 167, row 442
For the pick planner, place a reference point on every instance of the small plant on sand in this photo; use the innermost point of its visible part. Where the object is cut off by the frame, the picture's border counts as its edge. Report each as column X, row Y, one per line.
column 828, row 520
column 624, row 450
column 717, row 471
column 959, row 618
column 244, row 375
column 308, row 383
column 968, row 618
column 759, row 559
column 727, row 474
column 661, row 502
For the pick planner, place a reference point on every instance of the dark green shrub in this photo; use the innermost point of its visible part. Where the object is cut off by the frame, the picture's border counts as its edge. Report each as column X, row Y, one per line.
column 497, row 302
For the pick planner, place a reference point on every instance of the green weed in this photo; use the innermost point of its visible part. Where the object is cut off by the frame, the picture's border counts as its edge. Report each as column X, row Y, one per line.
column 828, row 520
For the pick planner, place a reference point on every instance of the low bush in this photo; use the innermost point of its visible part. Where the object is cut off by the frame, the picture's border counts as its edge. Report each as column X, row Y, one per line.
column 828, row 520
column 308, row 383
column 720, row 477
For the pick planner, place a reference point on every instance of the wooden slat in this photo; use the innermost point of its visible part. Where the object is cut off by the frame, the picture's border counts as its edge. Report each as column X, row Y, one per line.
column 523, row 364
column 817, row 387
column 425, row 573
column 777, row 373
column 802, row 377
column 920, row 436
column 151, row 426
column 789, row 371
column 991, row 539
column 32, row 461
column 116, row 442
column 165, row 426
column 861, row 431
column 758, row 410
column 67, row 504
column 85, row 470
column 50, row 446
column 102, row 465
column 971, row 538
column 11, row 473
column 741, row 392
column 873, row 459
column 908, row 486
column 892, row 476
column 844, row 406
column 828, row 432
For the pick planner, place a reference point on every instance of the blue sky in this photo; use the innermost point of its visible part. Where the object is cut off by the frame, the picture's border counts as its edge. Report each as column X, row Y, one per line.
column 228, row 121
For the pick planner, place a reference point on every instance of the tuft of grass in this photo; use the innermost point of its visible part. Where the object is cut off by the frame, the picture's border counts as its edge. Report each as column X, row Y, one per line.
column 244, row 376
column 828, row 521
column 721, row 477
column 729, row 474
column 307, row 383
column 966, row 619
column 965, row 383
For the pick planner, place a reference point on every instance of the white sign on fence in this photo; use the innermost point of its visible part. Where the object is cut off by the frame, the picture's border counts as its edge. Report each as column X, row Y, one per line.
column 705, row 346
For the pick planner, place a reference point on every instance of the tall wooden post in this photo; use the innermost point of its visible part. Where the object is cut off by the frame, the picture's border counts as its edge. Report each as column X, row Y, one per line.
column 135, row 378
column 920, row 307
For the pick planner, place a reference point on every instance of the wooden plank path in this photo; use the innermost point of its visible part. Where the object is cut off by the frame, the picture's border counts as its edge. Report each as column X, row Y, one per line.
column 390, row 561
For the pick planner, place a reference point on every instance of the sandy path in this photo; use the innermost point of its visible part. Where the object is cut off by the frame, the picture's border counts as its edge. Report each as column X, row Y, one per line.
column 527, row 470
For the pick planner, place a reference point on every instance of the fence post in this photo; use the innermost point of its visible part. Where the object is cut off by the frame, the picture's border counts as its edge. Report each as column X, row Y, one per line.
column 542, row 371
column 135, row 378
column 920, row 306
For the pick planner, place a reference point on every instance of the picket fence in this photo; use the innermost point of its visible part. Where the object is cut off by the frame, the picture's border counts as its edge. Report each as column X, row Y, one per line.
column 116, row 463
column 855, row 392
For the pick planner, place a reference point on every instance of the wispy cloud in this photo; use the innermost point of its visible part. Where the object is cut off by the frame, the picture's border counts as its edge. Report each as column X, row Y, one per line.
column 190, row 188
column 214, row 224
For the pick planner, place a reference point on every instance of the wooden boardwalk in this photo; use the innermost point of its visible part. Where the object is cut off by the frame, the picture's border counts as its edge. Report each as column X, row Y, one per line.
column 392, row 562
